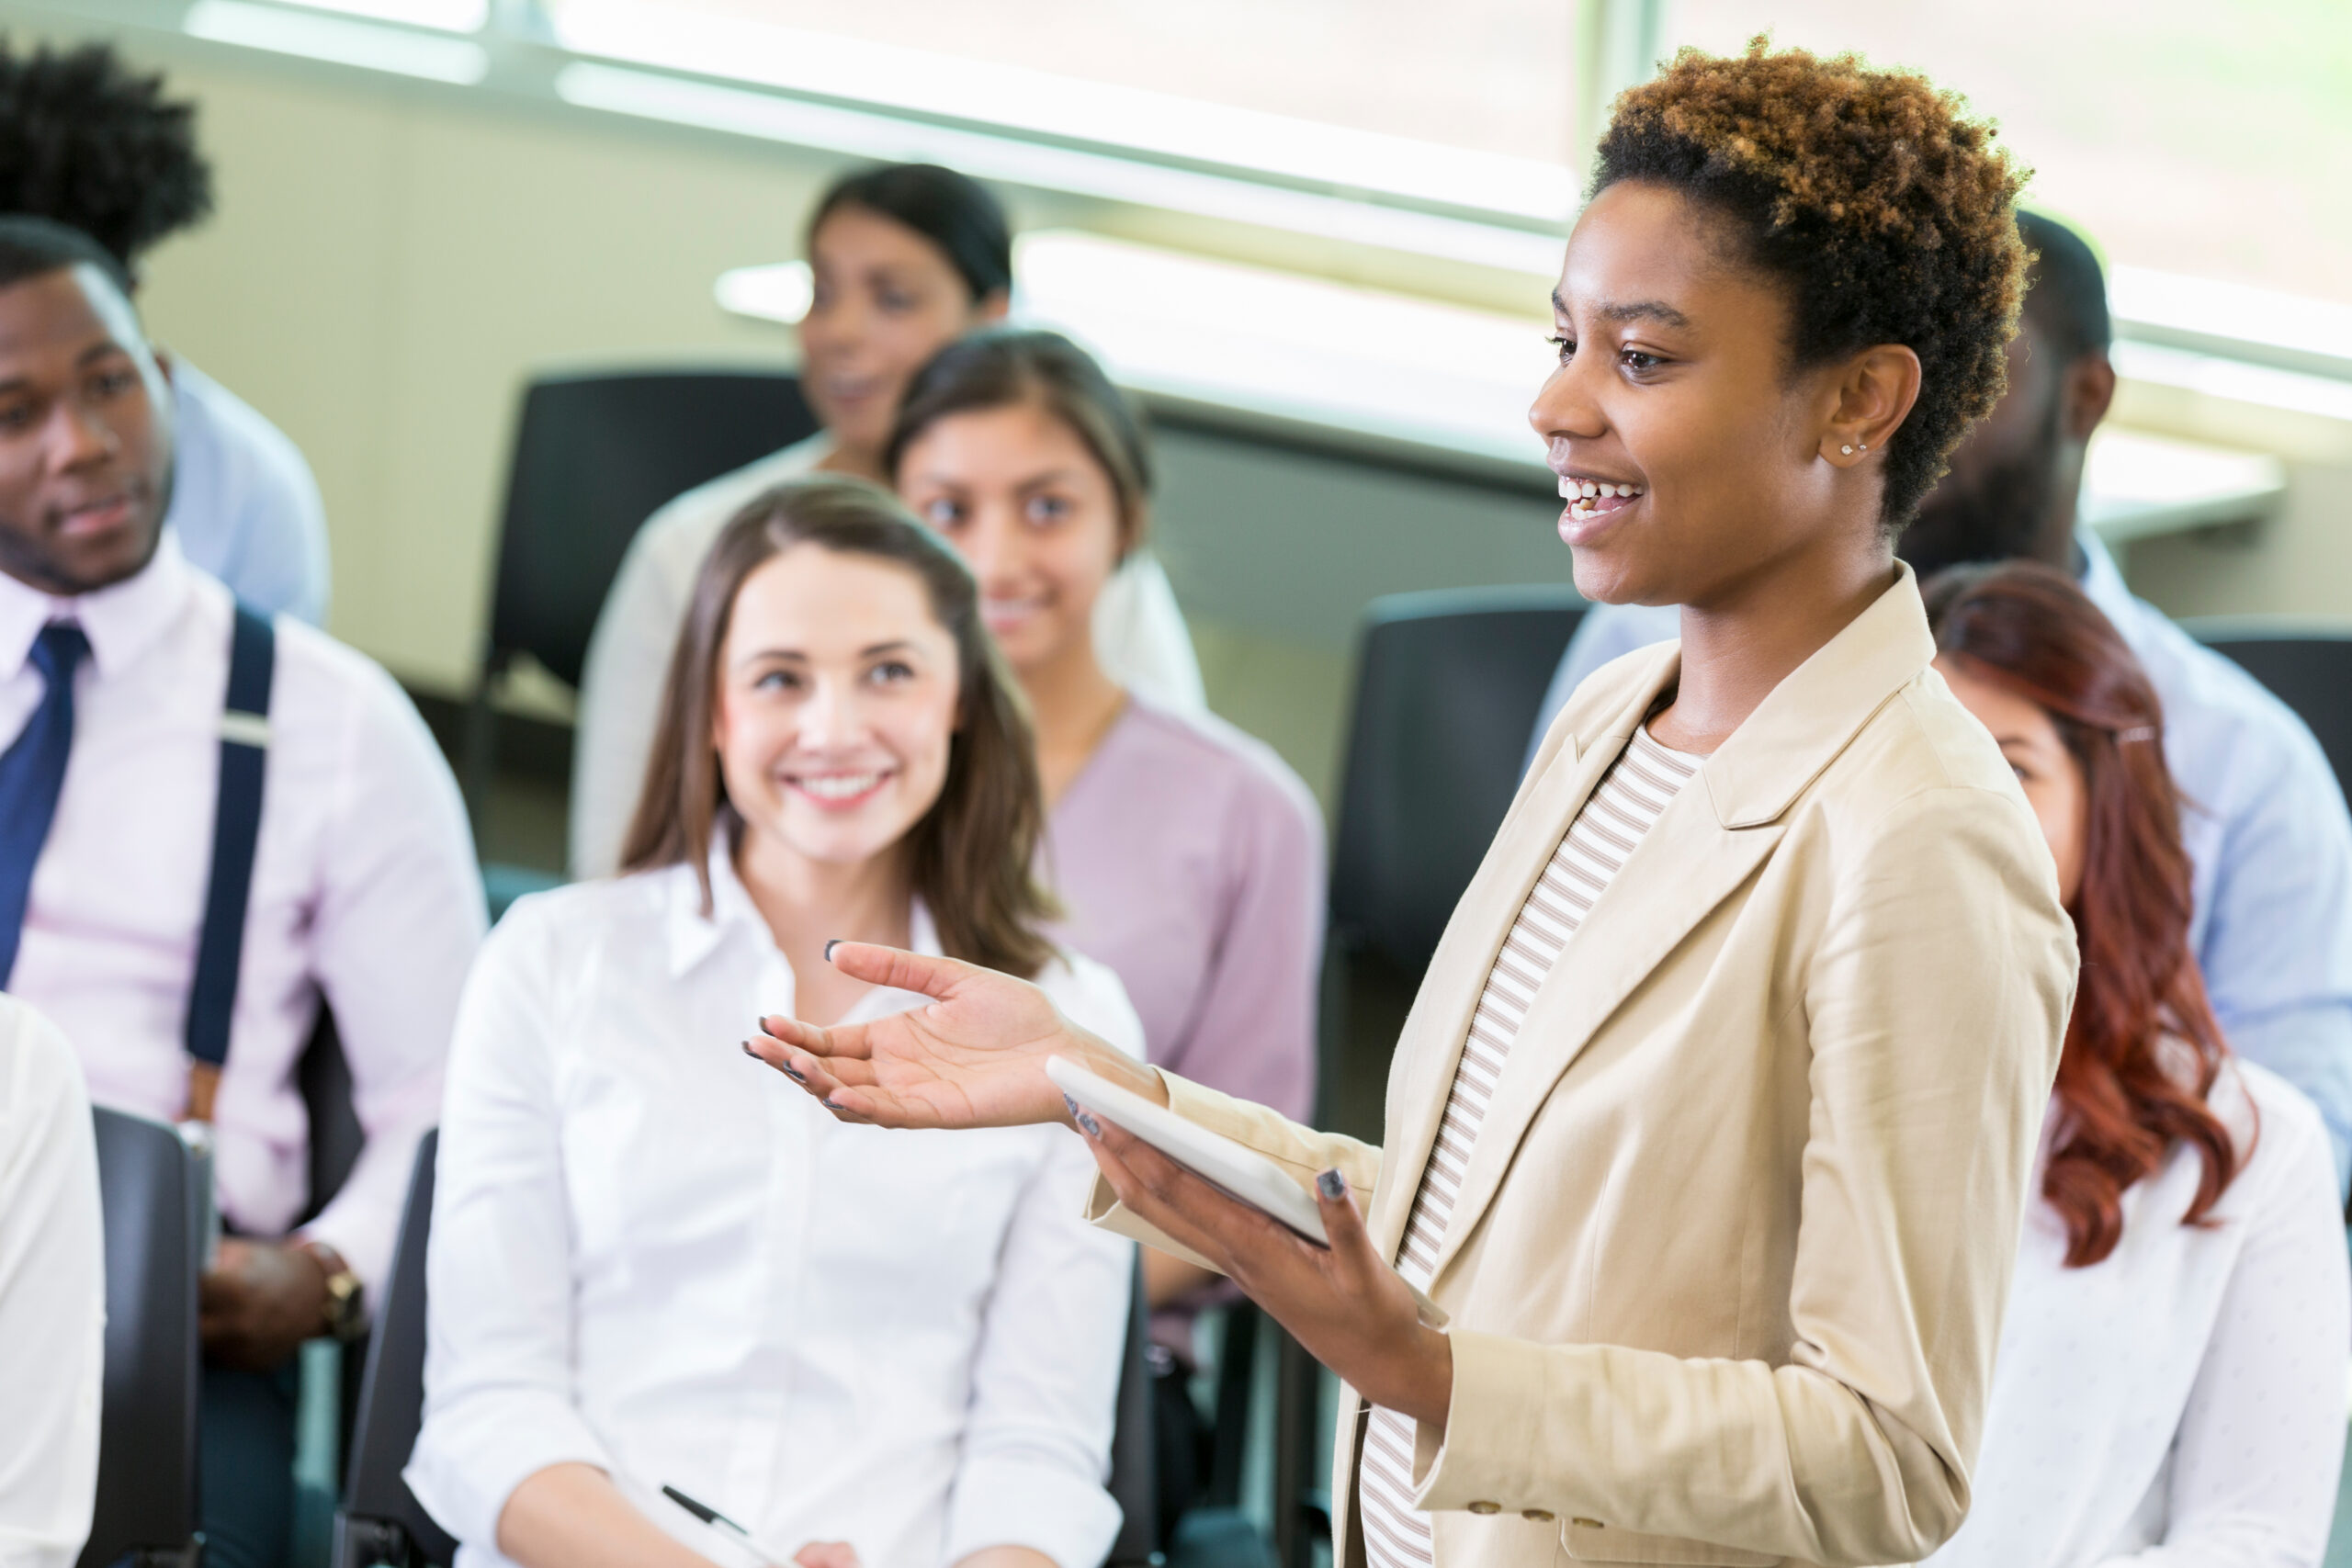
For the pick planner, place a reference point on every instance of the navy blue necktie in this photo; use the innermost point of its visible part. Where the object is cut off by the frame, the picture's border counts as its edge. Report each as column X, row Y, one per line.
column 32, row 770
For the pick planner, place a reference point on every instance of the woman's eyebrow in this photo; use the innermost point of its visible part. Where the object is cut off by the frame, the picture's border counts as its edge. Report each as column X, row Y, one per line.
column 896, row 644
column 1656, row 310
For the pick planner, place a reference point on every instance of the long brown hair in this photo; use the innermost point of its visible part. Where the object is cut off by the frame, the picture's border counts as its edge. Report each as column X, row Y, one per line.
column 2143, row 1047
column 971, row 853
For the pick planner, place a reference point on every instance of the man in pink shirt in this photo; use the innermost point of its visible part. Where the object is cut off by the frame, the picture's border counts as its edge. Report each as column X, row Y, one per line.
column 361, row 893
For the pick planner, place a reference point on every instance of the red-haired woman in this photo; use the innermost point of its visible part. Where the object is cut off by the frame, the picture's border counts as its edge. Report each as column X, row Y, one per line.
column 2171, row 1381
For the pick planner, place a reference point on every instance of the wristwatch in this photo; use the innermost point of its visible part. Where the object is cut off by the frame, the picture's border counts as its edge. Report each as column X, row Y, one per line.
column 346, row 1316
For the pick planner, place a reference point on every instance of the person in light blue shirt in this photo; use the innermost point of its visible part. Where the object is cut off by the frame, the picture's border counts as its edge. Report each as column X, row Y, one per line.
column 243, row 501
column 2264, row 823
column 88, row 142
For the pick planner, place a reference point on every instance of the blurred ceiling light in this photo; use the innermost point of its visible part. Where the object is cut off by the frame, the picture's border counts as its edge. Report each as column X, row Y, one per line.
column 778, row 292
column 892, row 76
column 1259, row 341
column 1047, row 168
column 2230, row 377
column 449, row 15
column 344, row 42
column 2284, row 331
column 1291, row 347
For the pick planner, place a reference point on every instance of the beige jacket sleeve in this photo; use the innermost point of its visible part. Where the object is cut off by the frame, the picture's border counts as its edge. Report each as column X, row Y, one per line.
column 1301, row 1151
column 1930, row 1027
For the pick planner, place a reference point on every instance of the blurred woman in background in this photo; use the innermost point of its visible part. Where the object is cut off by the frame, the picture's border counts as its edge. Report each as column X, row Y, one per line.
column 2171, row 1374
column 905, row 258
column 654, row 1264
column 1189, row 855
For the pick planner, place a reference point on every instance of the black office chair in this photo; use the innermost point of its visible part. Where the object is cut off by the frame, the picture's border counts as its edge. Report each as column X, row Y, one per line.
column 594, row 455
column 1134, row 1482
column 379, row 1522
column 337, row 1138
column 154, row 1201
column 1448, row 686
column 2309, row 670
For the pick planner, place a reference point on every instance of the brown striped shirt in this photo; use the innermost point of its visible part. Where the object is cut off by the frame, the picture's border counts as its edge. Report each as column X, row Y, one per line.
column 1628, row 801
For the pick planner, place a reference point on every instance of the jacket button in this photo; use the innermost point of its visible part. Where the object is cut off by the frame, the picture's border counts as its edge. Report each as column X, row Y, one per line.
column 1588, row 1523
column 1538, row 1515
column 1486, row 1507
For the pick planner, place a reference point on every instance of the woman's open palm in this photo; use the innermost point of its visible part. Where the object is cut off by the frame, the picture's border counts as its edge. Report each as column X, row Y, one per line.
column 974, row 1057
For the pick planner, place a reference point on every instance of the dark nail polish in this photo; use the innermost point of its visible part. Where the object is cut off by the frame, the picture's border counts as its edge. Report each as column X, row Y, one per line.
column 793, row 1073
column 1073, row 1107
column 1332, row 1185
column 1088, row 1125
column 748, row 1052
column 828, row 949
column 829, row 1105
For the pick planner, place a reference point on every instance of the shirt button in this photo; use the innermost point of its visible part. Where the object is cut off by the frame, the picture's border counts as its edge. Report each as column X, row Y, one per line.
column 1538, row 1515
column 1588, row 1523
column 1486, row 1507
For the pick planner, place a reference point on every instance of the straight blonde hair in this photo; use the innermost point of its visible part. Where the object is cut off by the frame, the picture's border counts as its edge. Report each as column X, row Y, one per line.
column 973, row 851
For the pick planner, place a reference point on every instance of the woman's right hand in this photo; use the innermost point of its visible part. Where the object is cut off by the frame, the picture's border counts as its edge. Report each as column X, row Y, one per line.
column 974, row 1057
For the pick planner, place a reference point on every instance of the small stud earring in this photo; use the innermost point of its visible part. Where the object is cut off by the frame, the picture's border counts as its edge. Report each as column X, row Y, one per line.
column 1847, row 451
column 1866, row 446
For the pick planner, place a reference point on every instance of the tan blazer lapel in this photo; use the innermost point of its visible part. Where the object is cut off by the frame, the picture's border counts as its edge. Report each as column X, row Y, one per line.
column 1684, row 867
column 1723, row 825
column 1423, row 1066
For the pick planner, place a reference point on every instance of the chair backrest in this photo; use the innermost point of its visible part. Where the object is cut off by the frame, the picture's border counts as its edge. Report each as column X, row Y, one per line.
column 1448, row 686
column 2310, row 671
column 336, row 1137
column 149, row 1192
column 380, row 1522
column 1134, row 1478
column 594, row 455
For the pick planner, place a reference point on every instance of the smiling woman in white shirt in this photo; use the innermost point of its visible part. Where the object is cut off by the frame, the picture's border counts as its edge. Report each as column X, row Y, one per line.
column 654, row 1264
column 2171, row 1380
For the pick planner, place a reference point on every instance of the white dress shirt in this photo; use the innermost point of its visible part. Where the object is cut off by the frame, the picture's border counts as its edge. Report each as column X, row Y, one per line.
column 243, row 500
column 364, row 889
column 1139, row 634
column 2182, row 1402
column 654, row 1255
column 52, row 1296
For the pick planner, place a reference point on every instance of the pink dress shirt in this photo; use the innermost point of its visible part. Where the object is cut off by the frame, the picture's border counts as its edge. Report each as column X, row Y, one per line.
column 364, row 889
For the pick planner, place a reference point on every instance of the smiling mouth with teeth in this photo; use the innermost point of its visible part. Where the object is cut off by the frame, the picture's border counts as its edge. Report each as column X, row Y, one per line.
column 837, row 786
column 1596, row 498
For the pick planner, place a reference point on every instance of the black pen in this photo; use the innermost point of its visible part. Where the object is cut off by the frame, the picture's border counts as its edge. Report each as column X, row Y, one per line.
column 717, row 1520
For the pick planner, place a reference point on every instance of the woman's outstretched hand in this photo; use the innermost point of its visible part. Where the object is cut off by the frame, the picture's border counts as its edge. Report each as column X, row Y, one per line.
column 974, row 1057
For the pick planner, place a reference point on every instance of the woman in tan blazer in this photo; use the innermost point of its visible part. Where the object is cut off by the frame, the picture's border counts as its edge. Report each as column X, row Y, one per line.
column 1715, row 1197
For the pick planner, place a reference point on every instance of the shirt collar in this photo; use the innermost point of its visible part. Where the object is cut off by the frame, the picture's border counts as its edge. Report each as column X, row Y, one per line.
column 695, row 936
column 122, row 620
column 1809, row 717
column 2102, row 580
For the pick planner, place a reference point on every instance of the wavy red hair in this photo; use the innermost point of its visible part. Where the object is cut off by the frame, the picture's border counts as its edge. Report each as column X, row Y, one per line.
column 2143, row 1048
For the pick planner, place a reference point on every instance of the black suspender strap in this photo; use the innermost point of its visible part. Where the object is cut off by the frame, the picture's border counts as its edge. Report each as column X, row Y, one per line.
column 236, row 829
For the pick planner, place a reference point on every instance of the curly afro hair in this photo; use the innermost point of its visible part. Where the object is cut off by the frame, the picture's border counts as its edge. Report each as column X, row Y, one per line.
column 89, row 143
column 1887, row 213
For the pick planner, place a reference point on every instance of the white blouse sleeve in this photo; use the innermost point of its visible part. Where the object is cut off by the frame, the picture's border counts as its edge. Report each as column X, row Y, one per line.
column 2261, row 1443
column 1045, row 1377
column 52, row 1296
column 498, row 1394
